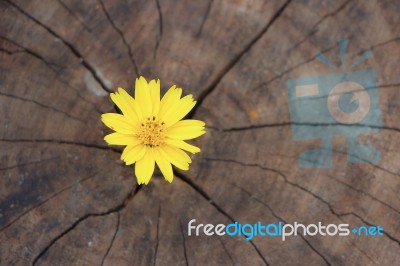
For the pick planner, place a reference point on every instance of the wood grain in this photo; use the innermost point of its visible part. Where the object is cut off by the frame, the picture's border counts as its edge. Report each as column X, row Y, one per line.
column 66, row 199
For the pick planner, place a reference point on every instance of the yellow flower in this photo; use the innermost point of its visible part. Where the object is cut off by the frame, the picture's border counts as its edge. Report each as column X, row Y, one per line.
column 152, row 130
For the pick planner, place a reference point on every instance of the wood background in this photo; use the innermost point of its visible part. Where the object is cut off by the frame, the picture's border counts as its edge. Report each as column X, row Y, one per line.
column 66, row 198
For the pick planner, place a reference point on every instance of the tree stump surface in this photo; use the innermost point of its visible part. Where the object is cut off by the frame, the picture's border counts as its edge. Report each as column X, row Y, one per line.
column 67, row 199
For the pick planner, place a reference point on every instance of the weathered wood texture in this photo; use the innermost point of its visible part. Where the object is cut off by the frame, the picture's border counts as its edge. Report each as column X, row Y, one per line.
column 66, row 199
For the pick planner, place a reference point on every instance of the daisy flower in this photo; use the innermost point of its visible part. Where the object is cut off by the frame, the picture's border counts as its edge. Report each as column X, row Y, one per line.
column 152, row 129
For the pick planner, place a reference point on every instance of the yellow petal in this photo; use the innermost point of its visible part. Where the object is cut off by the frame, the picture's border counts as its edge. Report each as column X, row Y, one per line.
column 183, row 145
column 127, row 104
column 183, row 108
column 142, row 96
column 121, row 139
column 170, row 100
column 164, row 165
column 185, row 133
column 144, row 168
column 176, row 156
column 118, row 123
column 188, row 122
column 133, row 153
column 155, row 96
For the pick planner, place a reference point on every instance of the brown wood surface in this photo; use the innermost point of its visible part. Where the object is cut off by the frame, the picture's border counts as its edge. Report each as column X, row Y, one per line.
column 66, row 198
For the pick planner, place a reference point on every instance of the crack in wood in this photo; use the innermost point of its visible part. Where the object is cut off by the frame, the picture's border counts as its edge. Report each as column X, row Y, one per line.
column 53, row 66
column 121, row 34
column 388, row 235
column 199, row 190
column 30, row 52
column 184, row 243
column 322, row 124
column 69, row 45
column 205, row 17
column 27, row 163
column 224, row 71
column 160, row 31
column 112, row 239
column 261, row 126
column 226, row 251
column 373, row 47
column 367, row 162
column 44, row 106
column 67, row 142
column 284, row 177
column 321, row 20
column 363, row 193
column 284, row 124
column 266, row 83
column 330, row 208
column 290, row 69
column 364, row 253
column 363, row 89
column 281, row 219
column 281, row 174
column 345, row 153
column 158, row 235
column 49, row 65
column 115, row 209
column 75, row 16
column 8, row 51
column 43, row 202
column 389, row 85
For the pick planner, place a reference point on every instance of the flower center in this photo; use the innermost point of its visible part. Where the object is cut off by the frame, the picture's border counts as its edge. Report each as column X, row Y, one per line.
column 151, row 132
